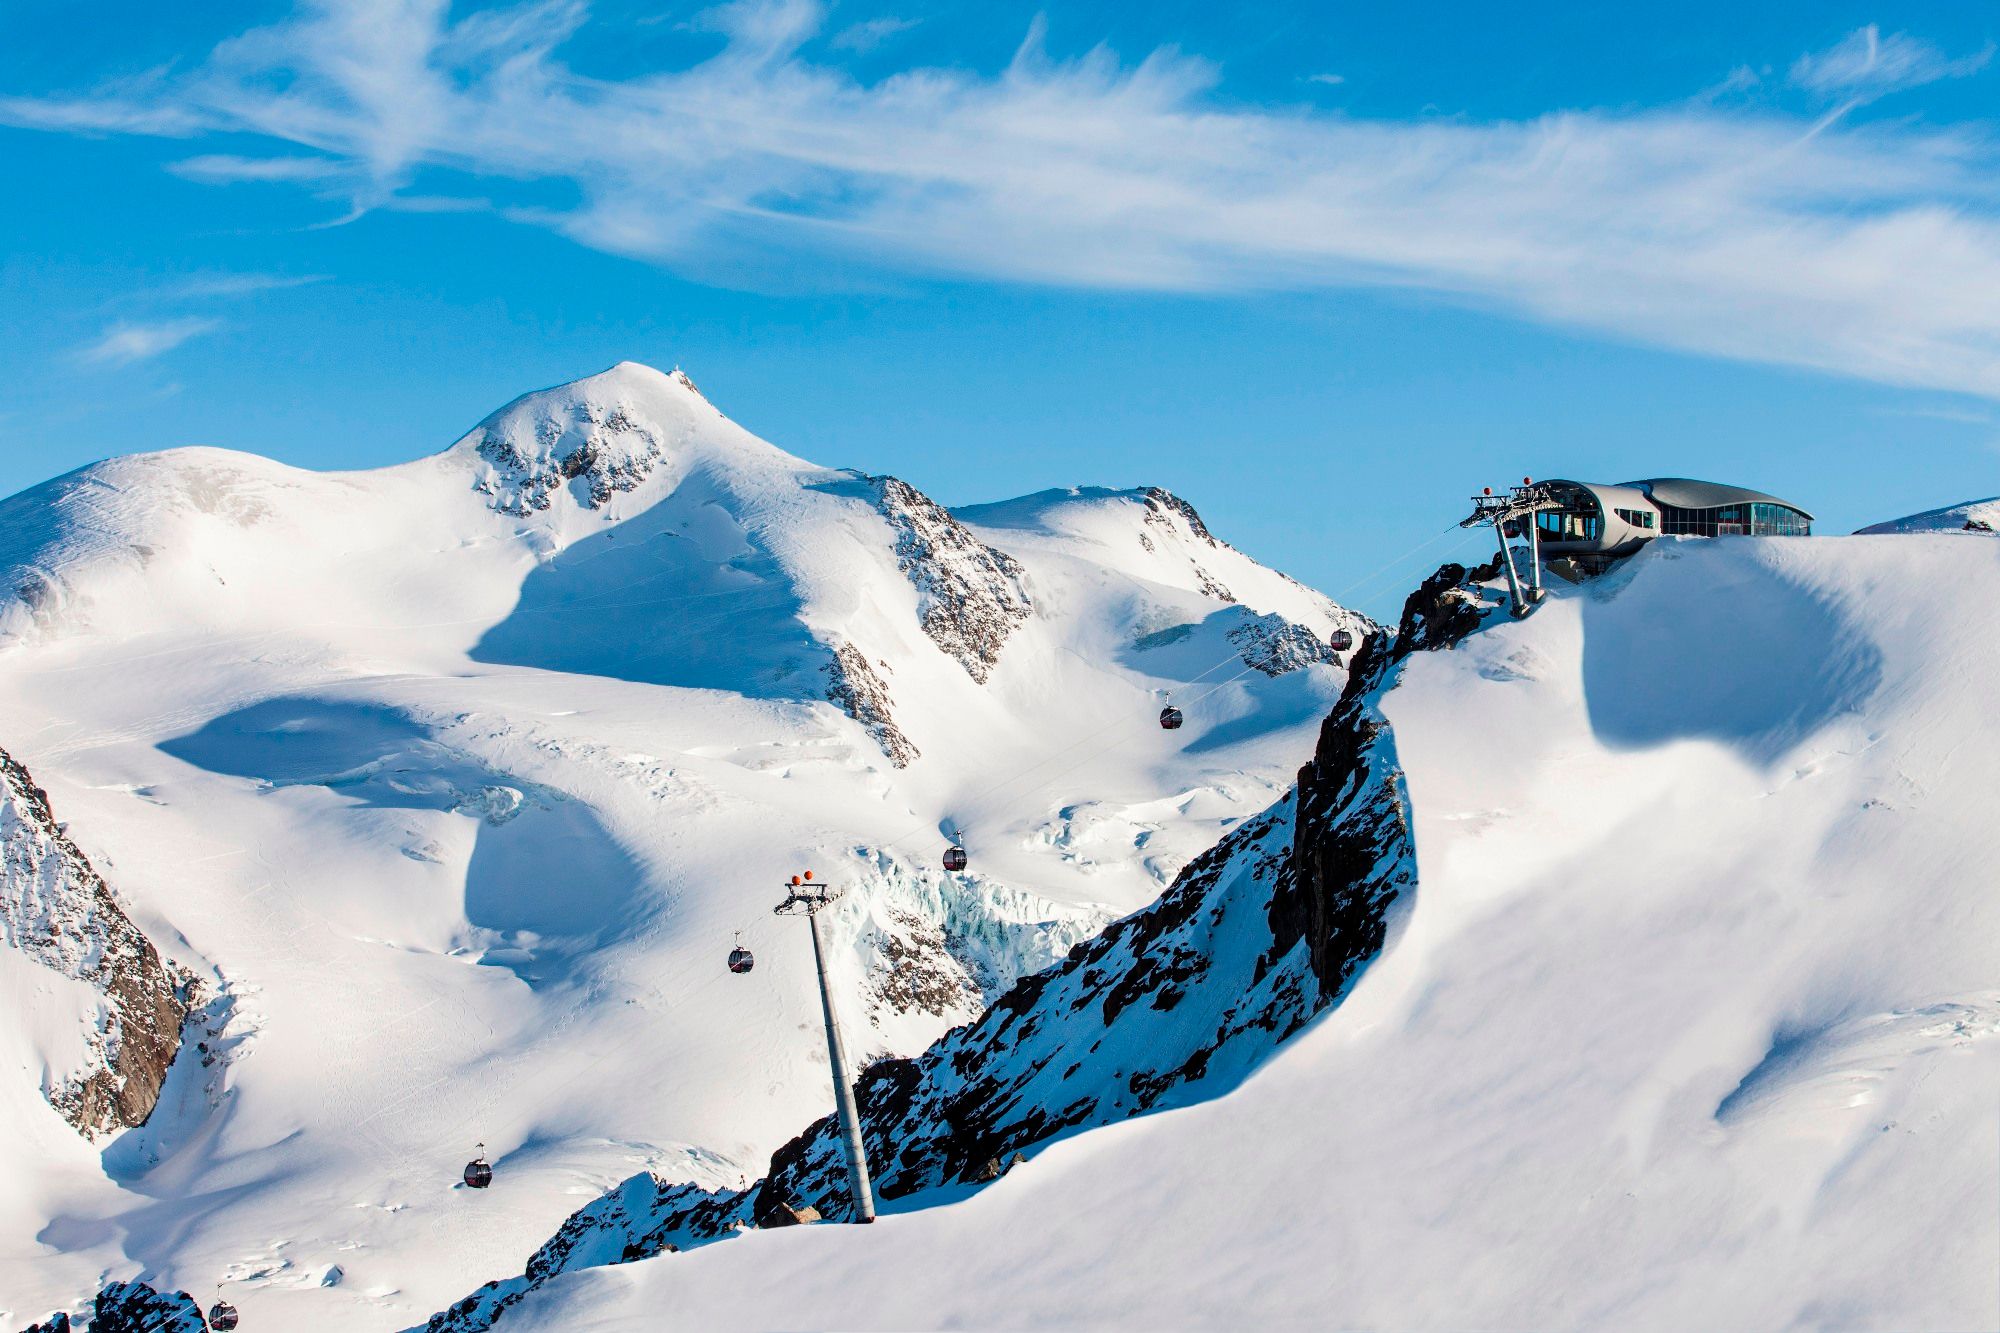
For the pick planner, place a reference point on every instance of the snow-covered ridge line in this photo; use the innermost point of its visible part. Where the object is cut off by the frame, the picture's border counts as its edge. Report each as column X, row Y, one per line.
column 1974, row 516
column 1176, row 1002
column 56, row 910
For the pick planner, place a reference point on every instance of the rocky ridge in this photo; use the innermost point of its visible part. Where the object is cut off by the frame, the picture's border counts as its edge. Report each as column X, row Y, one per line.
column 1251, row 941
column 1273, row 645
column 594, row 450
column 970, row 596
column 853, row 687
column 133, row 1307
column 57, row 910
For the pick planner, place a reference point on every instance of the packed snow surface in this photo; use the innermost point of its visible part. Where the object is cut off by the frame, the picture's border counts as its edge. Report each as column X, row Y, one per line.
column 1691, row 1021
column 456, row 782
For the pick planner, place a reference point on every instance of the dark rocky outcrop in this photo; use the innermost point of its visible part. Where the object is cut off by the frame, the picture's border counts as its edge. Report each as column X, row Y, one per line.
column 853, row 687
column 1275, row 646
column 970, row 596
column 594, row 451
column 56, row 909
column 1176, row 1002
column 1172, row 515
column 1350, row 796
column 643, row 1217
column 134, row 1307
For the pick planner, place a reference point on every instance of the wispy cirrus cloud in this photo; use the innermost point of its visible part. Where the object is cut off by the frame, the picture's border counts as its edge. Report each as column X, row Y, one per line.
column 868, row 34
column 1867, row 64
column 230, row 169
column 129, row 342
column 1860, row 249
column 229, row 285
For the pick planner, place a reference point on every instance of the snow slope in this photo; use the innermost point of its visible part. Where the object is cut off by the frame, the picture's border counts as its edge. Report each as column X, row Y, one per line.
column 1978, row 516
column 1690, row 1019
column 455, row 781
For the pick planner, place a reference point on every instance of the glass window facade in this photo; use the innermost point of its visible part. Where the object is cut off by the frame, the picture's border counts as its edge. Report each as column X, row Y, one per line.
column 1566, row 525
column 1739, row 520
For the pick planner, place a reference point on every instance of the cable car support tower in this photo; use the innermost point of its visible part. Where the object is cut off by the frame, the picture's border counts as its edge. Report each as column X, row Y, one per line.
column 1515, row 510
column 807, row 899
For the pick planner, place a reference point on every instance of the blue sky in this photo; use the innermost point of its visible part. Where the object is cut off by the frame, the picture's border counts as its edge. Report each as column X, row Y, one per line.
column 1323, row 271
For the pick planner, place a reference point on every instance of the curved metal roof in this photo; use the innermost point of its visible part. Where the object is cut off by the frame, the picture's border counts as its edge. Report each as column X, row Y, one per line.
column 1687, row 493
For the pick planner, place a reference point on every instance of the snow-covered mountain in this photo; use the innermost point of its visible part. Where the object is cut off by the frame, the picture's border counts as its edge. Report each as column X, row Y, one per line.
column 440, row 792
column 1651, row 941
column 1975, row 516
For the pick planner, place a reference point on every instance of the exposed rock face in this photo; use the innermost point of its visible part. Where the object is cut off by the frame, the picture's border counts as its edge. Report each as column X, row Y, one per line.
column 970, row 596
column 853, row 687
column 1254, row 938
column 643, row 1217
column 134, row 1307
column 1275, row 645
column 1351, row 803
column 914, row 971
column 594, row 451
column 56, row 909
column 1163, row 508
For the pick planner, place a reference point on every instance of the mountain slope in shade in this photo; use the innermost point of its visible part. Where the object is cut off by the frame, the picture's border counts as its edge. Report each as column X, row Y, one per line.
column 1688, row 1018
column 464, row 775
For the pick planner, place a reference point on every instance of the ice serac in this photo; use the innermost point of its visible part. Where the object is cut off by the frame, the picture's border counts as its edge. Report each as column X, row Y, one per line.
column 970, row 596
column 1174, row 1003
column 58, row 911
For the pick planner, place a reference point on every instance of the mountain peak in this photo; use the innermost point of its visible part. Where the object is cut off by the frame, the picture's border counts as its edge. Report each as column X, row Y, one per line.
column 637, row 375
column 597, row 438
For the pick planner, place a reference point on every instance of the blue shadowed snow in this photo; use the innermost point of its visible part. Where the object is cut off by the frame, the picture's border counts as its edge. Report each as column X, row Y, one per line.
column 1721, row 648
column 677, row 596
column 541, row 863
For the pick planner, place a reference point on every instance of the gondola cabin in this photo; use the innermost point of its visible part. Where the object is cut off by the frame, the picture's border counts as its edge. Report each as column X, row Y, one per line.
column 1170, row 718
column 1341, row 641
column 478, row 1173
column 741, row 960
column 954, row 858
column 222, row 1316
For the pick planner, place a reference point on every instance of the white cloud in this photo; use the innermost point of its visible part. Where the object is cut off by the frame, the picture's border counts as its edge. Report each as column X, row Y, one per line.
column 1868, row 250
column 239, row 284
column 124, row 343
column 228, row 169
column 865, row 36
column 1331, row 80
column 1866, row 64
